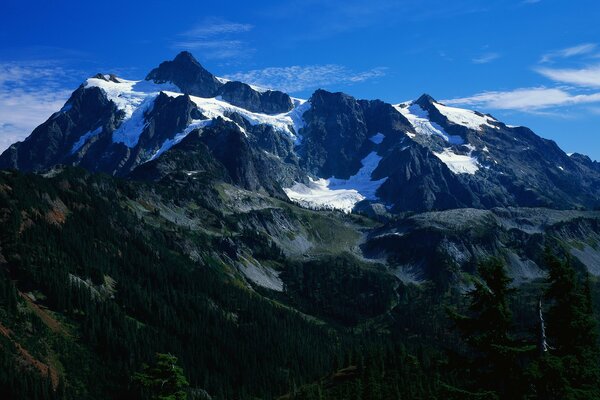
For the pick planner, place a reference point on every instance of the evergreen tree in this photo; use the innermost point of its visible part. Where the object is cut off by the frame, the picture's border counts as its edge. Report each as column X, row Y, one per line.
column 164, row 380
column 570, row 368
column 494, row 354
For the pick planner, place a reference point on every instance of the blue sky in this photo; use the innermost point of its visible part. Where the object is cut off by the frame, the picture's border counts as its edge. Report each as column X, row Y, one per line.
column 527, row 62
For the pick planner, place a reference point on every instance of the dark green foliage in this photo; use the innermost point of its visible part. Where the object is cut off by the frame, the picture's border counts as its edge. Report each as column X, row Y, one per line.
column 164, row 380
column 231, row 341
column 339, row 287
column 492, row 360
column 379, row 372
column 120, row 287
column 570, row 368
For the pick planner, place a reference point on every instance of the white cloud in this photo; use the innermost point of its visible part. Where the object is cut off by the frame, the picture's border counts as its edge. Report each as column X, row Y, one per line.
column 212, row 27
column 580, row 49
column 525, row 99
column 486, row 58
column 586, row 77
column 297, row 78
column 216, row 39
column 29, row 94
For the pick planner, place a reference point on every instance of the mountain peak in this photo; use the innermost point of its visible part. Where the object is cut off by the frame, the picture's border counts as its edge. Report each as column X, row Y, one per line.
column 185, row 56
column 188, row 74
column 425, row 100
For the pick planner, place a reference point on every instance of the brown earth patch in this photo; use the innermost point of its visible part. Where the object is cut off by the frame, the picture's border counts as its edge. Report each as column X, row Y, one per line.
column 44, row 315
column 29, row 360
column 58, row 214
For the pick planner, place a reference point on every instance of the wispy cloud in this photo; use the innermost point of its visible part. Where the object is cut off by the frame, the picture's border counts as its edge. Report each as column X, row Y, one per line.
column 525, row 99
column 296, row 78
column 586, row 77
column 486, row 58
column 531, row 1
column 216, row 39
column 213, row 27
column 568, row 52
column 29, row 94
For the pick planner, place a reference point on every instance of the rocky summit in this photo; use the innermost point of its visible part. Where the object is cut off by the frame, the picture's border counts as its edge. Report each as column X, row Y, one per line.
column 329, row 151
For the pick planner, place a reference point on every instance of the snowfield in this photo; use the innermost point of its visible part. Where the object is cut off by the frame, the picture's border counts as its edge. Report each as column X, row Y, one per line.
column 419, row 119
column 339, row 194
column 458, row 163
column 467, row 118
column 136, row 98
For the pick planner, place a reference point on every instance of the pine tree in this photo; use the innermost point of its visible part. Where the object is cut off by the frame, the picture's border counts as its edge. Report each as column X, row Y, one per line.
column 570, row 369
column 494, row 354
column 164, row 380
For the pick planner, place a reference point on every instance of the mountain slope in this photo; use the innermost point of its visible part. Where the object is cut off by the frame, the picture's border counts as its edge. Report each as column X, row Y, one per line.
column 331, row 151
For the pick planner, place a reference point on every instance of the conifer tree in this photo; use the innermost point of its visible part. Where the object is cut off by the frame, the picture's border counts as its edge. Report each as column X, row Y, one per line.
column 164, row 380
column 570, row 368
column 487, row 329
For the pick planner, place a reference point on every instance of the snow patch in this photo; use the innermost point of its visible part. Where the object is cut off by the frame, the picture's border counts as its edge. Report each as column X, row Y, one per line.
column 167, row 144
column 130, row 130
column 135, row 98
column 128, row 95
column 467, row 118
column 288, row 123
column 297, row 116
column 377, row 138
column 419, row 119
column 339, row 194
column 84, row 138
column 458, row 163
column 317, row 194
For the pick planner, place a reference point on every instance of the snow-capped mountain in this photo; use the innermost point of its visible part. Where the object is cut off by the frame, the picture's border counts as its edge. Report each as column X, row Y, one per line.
column 329, row 151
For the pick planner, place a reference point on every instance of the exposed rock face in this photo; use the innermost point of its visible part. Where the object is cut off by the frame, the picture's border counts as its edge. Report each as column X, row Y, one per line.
column 168, row 116
column 439, row 245
column 418, row 181
column 219, row 151
column 335, row 137
column 190, row 158
column 187, row 73
column 52, row 142
column 422, row 155
column 267, row 102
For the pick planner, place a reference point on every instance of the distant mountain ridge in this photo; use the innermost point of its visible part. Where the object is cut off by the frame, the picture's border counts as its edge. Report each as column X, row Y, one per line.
column 330, row 151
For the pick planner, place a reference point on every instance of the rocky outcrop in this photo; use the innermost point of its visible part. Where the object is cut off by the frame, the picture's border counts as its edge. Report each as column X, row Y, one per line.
column 187, row 73
column 335, row 137
column 51, row 143
column 266, row 102
column 441, row 245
